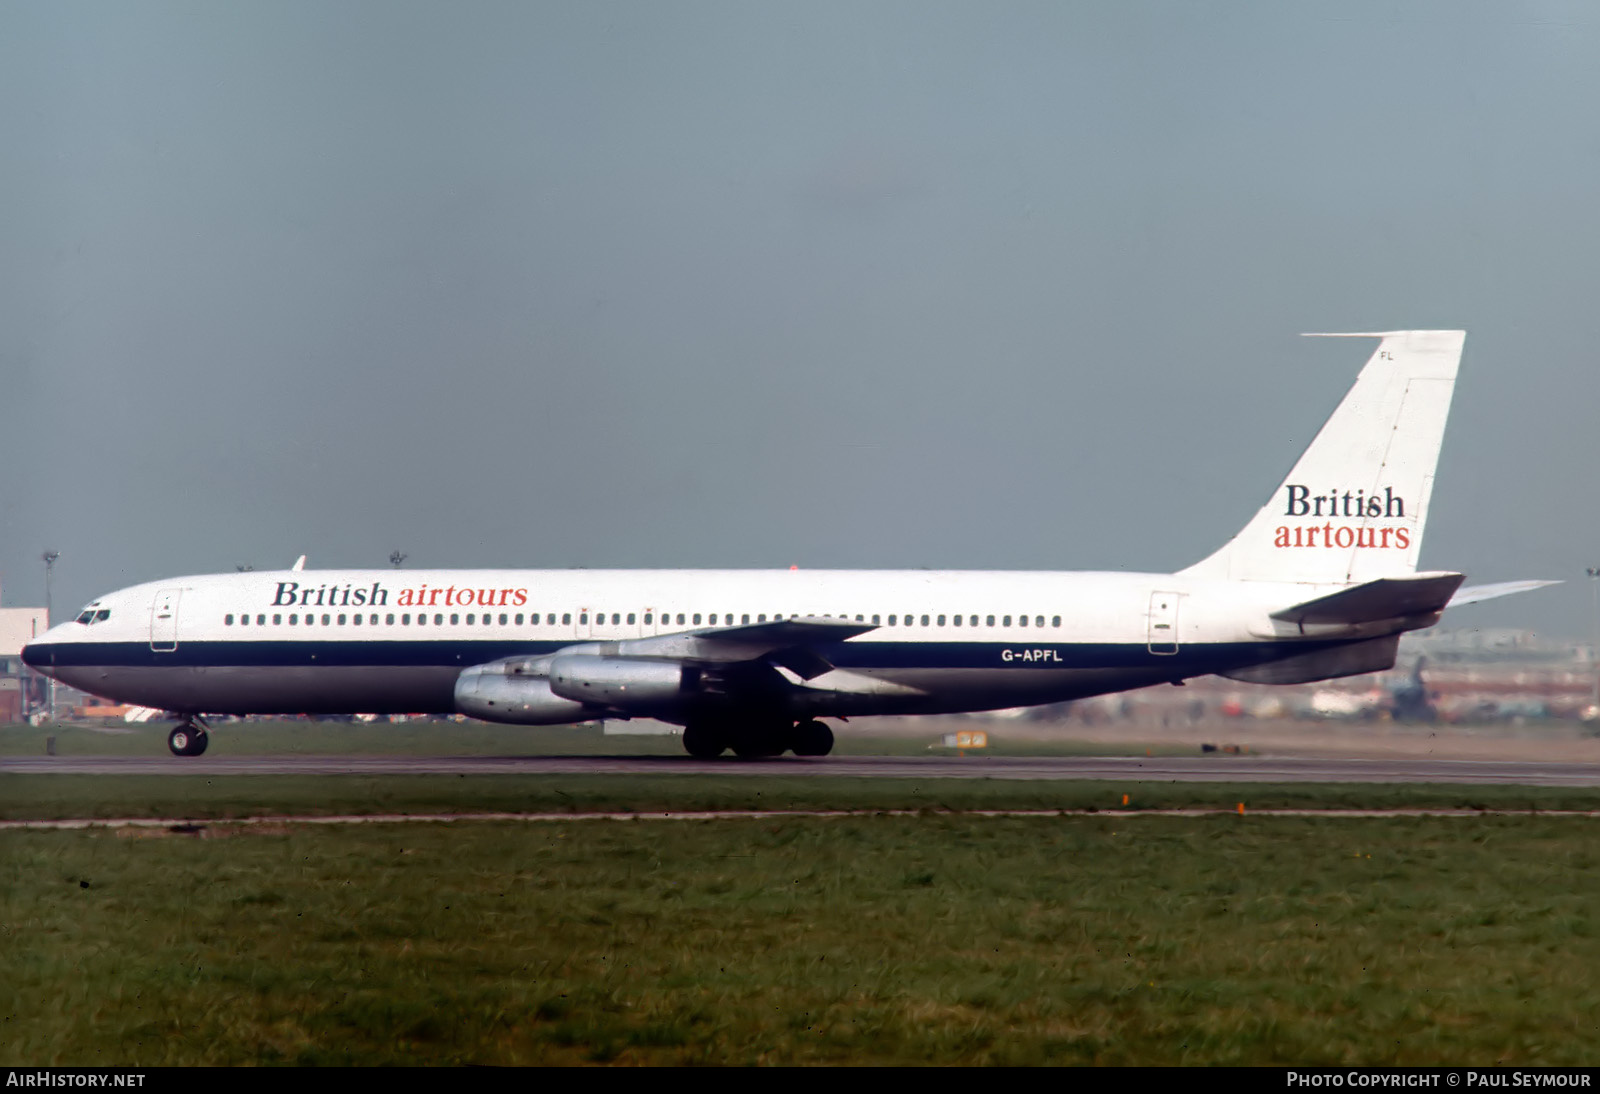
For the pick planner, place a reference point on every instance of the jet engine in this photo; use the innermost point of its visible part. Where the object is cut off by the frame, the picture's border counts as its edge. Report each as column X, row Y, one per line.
column 619, row 683
column 496, row 694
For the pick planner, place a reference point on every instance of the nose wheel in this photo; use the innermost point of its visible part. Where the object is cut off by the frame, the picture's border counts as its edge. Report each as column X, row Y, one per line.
column 188, row 739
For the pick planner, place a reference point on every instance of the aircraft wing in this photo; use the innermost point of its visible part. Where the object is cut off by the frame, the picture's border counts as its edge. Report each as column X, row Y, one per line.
column 787, row 642
column 1474, row 593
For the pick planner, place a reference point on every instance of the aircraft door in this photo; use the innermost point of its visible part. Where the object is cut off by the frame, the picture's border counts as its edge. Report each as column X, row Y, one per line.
column 164, row 621
column 1162, row 634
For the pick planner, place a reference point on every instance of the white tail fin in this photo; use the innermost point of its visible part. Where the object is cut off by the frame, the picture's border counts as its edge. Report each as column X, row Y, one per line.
column 1353, row 508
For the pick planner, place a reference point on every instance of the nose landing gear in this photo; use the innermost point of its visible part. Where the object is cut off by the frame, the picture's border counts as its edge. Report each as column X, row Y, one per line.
column 188, row 738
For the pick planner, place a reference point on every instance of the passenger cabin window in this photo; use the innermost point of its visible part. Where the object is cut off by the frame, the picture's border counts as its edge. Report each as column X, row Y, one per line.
column 1055, row 621
column 1022, row 621
column 989, row 620
column 277, row 620
column 1038, row 621
column 647, row 618
column 941, row 621
column 956, row 620
column 583, row 618
column 244, row 621
column 227, row 620
column 566, row 617
column 1006, row 622
column 924, row 621
column 891, row 621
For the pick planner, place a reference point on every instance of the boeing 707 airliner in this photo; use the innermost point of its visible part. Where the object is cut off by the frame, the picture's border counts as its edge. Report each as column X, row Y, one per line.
column 1320, row 584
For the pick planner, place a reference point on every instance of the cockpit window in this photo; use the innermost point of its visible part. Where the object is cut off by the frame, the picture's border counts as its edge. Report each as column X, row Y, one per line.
column 102, row 615
column 90, row 615
column 86, row 617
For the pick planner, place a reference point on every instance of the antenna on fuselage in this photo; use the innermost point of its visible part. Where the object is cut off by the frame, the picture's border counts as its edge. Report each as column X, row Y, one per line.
column 299, row 564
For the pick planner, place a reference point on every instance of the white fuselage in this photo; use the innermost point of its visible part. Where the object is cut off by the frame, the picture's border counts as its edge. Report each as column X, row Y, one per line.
column 395, row 641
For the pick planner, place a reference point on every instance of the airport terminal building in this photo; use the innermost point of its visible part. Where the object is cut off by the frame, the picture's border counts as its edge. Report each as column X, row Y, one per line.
column 21, row 689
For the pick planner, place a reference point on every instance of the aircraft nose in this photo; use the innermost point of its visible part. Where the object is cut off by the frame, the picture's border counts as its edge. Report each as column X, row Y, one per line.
column 39, row 654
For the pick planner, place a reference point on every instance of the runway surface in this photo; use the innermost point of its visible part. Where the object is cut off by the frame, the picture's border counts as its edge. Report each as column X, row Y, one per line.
column 1254, row 769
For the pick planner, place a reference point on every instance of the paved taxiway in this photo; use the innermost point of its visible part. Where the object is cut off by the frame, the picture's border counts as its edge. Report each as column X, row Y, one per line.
column 1262, row 769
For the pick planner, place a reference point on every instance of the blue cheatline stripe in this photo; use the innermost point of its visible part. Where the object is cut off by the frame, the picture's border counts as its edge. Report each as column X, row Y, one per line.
column 846, row 655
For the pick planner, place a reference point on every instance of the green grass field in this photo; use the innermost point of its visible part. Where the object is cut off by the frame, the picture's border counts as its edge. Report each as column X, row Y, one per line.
column 939, row 938
column 936, row 940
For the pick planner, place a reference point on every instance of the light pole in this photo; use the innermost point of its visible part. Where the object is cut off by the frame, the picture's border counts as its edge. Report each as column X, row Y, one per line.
column 1594, row 651
column 49, row 619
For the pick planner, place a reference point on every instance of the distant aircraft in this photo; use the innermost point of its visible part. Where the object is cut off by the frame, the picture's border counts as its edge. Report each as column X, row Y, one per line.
column 1319, row 585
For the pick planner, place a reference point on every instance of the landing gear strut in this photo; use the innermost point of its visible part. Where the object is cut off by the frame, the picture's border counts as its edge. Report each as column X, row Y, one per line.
column 188, row 738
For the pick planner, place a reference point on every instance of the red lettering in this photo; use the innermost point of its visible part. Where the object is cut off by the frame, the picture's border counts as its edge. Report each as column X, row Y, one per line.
column 520, row 597
column 464, row 596
column 1366, row 537
column 405, row 598
column 1282, row 538
column 1345, row 536
column 1402, row 538
column 1311, row 536
column 1384, row 534
column 433, row 597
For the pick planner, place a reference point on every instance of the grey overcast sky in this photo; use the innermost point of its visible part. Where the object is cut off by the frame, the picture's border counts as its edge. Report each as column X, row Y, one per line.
column 980, row 285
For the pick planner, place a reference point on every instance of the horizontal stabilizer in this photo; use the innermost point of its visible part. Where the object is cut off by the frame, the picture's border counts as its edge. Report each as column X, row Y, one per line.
column 1385, row 598
column 1474, row 593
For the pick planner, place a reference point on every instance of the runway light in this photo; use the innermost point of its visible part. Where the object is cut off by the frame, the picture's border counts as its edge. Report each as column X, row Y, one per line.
column 1241, row 809
column 1124, row 799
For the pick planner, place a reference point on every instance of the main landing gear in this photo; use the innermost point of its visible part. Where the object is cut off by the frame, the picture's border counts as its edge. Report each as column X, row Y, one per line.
column 188, row 738
column 708, row 740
